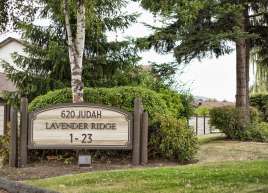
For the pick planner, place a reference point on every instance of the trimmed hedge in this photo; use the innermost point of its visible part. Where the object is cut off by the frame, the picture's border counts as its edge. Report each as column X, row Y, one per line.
column 226, row 119
column 165, row 105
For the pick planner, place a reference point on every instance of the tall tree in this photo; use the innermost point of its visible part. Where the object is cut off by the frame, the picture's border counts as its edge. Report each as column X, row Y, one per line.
column 76, row 45
column 195, row 29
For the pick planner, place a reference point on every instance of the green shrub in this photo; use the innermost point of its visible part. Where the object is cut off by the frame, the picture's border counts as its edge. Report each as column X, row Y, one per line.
column 168, row 103
column 256, row 132
column 123, row 97
column 175, row 139
column 227, row 120
column 187, row 103
column 201, row 111
column 260, row 101
column 4, row 149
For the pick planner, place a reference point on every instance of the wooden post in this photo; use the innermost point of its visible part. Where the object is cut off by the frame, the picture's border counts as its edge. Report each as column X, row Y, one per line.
column 23, row 131
column 196, row 124
column 136, row 132
column 144, row 139
column 13, row 158
column 204, row 125
column 6, row 119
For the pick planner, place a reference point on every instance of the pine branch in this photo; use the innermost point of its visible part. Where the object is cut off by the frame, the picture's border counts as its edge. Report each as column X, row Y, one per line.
column 258, row 14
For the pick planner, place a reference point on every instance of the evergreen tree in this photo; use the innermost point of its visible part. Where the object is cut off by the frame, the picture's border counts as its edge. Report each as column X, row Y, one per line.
column 46, row 65
column 3, row 14
column 198, row 28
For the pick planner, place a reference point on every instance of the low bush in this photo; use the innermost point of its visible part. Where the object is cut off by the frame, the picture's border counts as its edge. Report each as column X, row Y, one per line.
column 4, row 149
column 260, row 101
column 256, row 132
column 170, row 104
column 201, row 111
column 175, row 139
column 227, row 120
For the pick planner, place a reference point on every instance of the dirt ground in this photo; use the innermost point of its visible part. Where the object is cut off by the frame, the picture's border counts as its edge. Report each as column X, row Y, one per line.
column 214, row 151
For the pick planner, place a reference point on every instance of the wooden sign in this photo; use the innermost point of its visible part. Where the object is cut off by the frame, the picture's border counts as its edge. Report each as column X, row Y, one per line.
column 2, row 118
column 80, row 126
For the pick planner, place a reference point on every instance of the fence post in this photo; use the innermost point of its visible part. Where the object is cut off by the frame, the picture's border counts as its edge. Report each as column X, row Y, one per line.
column 204, row 125
column 13, row 156
column 136, row 132
column 144, row 139
column 23, row 131
column 196, row 124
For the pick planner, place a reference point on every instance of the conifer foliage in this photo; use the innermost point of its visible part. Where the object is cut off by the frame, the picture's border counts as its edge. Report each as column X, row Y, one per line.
column 46, row 64
column 199, row 28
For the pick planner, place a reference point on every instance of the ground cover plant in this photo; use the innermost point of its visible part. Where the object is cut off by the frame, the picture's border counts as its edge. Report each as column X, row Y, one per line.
column 247, row 177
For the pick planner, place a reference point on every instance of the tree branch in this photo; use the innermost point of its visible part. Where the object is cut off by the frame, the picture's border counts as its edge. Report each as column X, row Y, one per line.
column 257, row 14
column 80, row 30
column 67, row 23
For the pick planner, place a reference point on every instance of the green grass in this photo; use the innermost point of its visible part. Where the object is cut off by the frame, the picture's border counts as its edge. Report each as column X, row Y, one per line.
column 242, row 177
column 203, row 139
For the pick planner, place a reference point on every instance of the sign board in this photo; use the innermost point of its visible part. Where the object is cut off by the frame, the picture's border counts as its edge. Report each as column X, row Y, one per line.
column 80, row 126
column 2, row 118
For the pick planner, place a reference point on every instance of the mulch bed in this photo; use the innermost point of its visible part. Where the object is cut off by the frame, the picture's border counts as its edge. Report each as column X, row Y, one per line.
column 48, row 169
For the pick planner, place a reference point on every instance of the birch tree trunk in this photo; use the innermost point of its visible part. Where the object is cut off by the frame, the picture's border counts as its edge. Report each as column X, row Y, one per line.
column 242, row 98
column 76, row 44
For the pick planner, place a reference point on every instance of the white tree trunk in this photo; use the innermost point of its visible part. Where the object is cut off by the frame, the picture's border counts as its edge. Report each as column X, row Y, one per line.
column 76, row 48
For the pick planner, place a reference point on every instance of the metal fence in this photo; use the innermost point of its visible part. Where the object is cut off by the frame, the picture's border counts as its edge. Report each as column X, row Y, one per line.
column 201, row 126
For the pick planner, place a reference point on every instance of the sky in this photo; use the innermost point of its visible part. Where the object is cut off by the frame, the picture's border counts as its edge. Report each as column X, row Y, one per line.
column 212, row 77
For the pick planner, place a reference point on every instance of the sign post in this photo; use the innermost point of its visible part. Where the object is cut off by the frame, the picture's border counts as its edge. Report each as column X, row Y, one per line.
column 23, row 131
column 13, row 154
column 2, row 119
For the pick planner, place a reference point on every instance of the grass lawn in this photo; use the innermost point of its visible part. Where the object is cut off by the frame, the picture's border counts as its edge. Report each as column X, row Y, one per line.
column 241, row 177
column 204, row 139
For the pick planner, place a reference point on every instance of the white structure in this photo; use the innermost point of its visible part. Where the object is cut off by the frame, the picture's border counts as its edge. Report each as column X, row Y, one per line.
column 7, row 47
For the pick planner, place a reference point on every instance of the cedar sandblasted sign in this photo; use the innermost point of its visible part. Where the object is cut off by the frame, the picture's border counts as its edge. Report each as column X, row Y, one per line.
column 81, row 126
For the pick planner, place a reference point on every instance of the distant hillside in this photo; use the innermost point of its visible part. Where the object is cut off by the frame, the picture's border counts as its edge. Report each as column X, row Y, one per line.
column 210, row 103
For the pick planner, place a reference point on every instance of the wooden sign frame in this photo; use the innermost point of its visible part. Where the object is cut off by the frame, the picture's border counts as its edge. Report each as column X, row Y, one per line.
column 33, row 115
